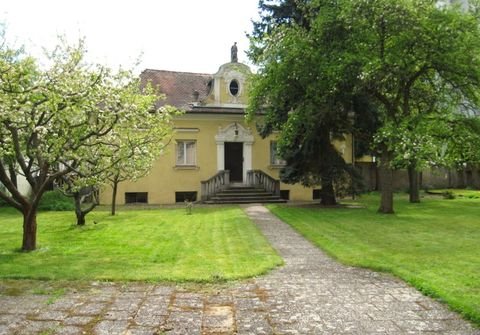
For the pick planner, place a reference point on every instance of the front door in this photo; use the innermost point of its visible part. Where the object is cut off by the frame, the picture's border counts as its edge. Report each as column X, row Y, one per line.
column 234, row 161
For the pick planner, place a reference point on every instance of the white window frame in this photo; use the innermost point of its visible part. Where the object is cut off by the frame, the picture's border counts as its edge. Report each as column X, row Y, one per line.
column 275, row 160
column 184, row 144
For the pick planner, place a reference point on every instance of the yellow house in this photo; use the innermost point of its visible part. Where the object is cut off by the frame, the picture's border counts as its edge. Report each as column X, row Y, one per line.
column 214, row 155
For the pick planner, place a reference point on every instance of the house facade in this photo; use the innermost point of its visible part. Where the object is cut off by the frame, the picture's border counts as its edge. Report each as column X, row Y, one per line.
column 213, row 147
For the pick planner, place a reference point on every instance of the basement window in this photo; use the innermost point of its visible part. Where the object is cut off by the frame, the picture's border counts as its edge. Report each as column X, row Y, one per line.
column 285, row 194
column 188, row 196
column 136, row 197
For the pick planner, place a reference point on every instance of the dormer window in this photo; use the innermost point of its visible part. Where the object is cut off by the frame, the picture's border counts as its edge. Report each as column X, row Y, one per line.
column 210, row 86
column 234, row 87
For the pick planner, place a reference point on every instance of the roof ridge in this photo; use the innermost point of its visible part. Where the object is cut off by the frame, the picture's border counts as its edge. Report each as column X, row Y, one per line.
column 184, row 72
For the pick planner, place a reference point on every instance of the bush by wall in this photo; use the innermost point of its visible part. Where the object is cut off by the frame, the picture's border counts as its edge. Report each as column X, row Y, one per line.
column 56, row 201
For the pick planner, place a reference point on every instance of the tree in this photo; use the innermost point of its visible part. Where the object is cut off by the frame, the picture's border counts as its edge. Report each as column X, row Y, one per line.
column 140, row 141
column 413, row 56
column 298, row 93
column 405, row 57
column 460, row 145
column 128, row 151
column 53, row 120
column 275, row 14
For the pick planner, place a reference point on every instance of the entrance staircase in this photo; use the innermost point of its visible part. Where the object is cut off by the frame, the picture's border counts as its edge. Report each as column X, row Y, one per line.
column 260, row 188
column 244, row 195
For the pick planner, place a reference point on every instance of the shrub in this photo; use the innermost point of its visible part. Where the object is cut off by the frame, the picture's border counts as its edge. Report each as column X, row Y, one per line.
column 473, row 196
column 56, row 201
column 448, row 195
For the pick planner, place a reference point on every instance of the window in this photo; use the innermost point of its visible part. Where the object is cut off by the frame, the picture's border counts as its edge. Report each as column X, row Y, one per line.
column 234, row 87
column 210, row 86
column 316, row 194
column 188, row 196
column 186, row 153
column 136, row 197
column 285, row 194
column 274, row 158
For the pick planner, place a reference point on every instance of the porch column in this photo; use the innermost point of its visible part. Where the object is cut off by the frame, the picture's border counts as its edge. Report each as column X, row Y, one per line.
column 220, row 155
column 247, row 158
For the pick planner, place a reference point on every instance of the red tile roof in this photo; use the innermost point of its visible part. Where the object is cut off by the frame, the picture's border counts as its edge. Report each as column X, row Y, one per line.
column 178, row 87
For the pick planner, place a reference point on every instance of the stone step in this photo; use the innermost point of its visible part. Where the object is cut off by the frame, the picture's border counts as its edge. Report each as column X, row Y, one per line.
column 244, row 201
column 243, row 190
column 252, row 197
column 245, row 194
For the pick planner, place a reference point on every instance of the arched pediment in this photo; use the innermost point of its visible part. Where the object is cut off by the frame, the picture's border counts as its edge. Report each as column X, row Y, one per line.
column 229, row 75
column 234, row 132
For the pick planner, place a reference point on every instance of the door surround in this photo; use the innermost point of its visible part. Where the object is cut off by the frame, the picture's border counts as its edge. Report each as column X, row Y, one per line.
column 235, row 132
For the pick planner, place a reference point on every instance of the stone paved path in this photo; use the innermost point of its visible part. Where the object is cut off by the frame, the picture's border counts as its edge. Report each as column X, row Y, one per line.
column 311, row 294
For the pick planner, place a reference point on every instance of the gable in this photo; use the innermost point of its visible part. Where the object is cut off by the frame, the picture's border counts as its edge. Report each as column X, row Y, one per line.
column 225, row 92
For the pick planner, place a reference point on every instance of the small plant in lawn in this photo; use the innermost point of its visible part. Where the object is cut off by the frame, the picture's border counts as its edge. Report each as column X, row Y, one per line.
column 449, row 195
column 188, row 207
column 55, row 295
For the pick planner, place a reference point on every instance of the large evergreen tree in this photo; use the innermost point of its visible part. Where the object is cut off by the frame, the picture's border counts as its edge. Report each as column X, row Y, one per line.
column 299, row 96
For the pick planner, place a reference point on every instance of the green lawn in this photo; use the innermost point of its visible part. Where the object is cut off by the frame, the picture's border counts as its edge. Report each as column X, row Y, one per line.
column 471, row 194
column 434, row 245
column 212, row 244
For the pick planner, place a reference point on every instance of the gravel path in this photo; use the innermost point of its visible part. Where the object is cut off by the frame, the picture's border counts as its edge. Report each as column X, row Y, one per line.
column 311, row 294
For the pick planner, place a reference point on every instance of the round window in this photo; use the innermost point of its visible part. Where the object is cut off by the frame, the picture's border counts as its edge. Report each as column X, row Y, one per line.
column 234, row 87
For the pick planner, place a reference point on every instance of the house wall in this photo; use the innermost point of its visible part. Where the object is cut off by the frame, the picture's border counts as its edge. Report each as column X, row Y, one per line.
column 209, row 130
column 166, row 178
column 22, row 185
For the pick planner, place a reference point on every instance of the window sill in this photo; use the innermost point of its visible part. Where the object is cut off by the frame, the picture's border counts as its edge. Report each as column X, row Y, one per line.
column 186, row 167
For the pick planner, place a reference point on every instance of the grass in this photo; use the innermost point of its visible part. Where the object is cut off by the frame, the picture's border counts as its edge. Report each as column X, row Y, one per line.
column 211, row 245
column 434, row 245
column 471, row 194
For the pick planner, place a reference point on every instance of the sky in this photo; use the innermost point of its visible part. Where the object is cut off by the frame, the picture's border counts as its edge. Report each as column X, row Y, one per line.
column 176, row 35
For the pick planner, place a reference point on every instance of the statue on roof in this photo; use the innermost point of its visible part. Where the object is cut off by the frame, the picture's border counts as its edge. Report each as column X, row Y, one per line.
column 233, row 53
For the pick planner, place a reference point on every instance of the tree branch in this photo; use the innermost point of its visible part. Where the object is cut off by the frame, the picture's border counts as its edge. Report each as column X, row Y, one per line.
column 11, row 188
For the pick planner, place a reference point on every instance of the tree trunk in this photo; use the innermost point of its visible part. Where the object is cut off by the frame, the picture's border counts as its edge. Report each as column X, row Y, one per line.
column 114, row 196
column 461, row 179
column 327, row 195
column 80, row 218
column 476, row 178
column 386, row 184
column 78, row 209
column 29, row 229
column 80, row 212
column 414, row 185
